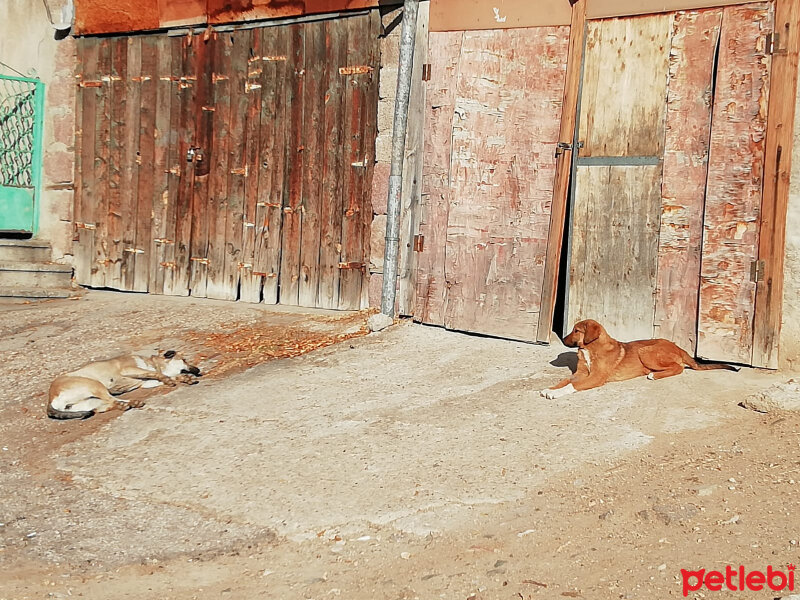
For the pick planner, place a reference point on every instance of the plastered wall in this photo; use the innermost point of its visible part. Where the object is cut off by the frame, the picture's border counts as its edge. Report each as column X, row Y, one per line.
column 29, row 44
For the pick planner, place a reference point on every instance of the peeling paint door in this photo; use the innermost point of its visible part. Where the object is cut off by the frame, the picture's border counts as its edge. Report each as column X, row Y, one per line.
column 735, row 185
column 493, row 114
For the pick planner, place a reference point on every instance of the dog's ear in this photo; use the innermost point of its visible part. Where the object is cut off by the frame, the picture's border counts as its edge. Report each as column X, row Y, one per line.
column 593, row 331
column 169, row 354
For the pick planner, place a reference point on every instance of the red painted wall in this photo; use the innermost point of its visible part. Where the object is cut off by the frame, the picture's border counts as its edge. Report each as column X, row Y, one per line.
column 120, row 16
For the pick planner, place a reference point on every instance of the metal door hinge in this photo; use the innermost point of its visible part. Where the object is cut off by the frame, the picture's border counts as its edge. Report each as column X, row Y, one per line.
column 562, row 147
column 757, row 271
column 419, row 243
column 426, row 72
column 773, row 44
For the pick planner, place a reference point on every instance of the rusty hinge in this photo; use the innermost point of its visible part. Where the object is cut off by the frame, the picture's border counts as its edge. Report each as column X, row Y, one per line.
column 419, row 243
column 757, row 271
column 352, row 265
column 773, row 44
column 426, row 72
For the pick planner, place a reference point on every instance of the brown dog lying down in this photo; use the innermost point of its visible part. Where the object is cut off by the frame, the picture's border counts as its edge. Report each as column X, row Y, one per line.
column 601, row 358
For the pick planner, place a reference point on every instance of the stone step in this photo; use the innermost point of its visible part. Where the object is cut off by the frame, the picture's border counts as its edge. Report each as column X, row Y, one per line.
column 22, row 293
column 33, row 275
column 24, row 250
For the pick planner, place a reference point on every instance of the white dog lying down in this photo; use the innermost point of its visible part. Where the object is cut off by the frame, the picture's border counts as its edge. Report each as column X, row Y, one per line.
column 89, row 390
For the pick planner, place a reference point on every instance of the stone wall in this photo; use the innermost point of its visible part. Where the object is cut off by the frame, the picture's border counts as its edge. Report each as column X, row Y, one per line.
column 29, row 45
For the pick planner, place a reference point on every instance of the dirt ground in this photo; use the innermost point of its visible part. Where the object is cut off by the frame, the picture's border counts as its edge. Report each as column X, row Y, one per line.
column 413, row 463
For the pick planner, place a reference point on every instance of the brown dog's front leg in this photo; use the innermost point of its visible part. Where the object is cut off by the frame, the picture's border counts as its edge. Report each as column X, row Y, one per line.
column 586, row 383
column 561, row 384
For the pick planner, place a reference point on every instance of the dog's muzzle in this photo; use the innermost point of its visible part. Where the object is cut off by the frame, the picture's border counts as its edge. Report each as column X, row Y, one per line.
column 193, row 370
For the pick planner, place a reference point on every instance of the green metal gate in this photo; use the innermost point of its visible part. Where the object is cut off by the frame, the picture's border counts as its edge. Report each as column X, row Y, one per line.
column 21, row 108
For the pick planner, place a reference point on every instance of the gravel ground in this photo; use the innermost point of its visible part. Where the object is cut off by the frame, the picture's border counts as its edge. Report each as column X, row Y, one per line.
column 412, row 463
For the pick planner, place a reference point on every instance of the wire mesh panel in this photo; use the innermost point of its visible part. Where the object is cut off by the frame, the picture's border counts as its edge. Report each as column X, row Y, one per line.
column 17, row 122
column 20, row 127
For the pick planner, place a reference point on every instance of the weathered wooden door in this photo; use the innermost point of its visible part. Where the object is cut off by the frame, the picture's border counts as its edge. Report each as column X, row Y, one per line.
column 669, row 176
column 234, row 165
column 617, row 198
column 735, row 185
column 493, row 113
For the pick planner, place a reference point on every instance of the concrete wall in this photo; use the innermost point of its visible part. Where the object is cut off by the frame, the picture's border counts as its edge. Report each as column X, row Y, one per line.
column 28, row 44
column 789, row 350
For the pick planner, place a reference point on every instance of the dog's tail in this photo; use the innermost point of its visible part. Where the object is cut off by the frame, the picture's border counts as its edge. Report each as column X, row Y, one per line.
column 696, row 366
column 54, row 413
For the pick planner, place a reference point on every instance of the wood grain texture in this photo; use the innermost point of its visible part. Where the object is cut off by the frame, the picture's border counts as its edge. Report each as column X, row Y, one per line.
column 145, row 159
column 444, row 52
column 293, row 203
column 216, row 207
column 129, row 184
column 508, row 107
column 105, row 169
column 272, row 185
column 203, row 111
column 615, row 248
column 177, row 166
column 238, row 173
column 616, row 209
column 558, row 210
column 777, row 170
column 163, row 135
column 369, row 134
column 352, row 259
column 625, row 83
column 85, row 156
column 734, row 189
column 412, row 170
column 187, row 90
column 250, row 289
column 688, row 124
column 332, row 200
column 312, row 161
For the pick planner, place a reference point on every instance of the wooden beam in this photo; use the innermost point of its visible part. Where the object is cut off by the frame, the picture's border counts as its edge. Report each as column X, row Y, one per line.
column 558, row 208
column 777, row 169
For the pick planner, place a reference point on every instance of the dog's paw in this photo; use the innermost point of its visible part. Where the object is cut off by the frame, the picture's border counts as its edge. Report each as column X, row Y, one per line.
column 170, row 382
column 551, row 394
column 186, row 378
column 651, row 376
column 137, row 403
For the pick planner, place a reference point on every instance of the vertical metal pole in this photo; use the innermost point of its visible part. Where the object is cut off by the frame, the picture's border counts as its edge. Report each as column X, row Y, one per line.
column 404, row 79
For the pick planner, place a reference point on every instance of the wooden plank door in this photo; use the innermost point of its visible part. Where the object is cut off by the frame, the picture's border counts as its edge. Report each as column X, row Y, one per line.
column 735, row 185
column 617, row 199
column 494, row 108
column 230, row 165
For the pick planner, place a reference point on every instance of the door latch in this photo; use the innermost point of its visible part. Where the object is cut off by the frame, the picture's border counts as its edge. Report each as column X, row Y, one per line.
column 194, row 154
